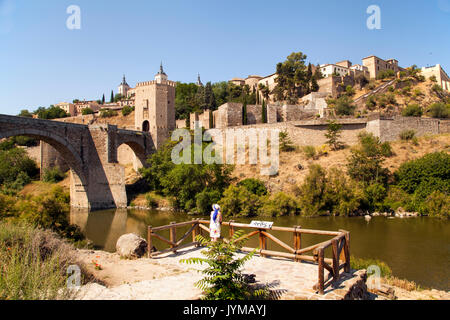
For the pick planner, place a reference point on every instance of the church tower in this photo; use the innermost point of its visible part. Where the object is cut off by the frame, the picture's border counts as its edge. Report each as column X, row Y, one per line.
column 124, row 87
column 155, row 107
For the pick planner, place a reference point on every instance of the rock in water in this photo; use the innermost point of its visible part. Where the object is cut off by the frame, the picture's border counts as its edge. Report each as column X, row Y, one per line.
column 367, row 217
column 131, row 246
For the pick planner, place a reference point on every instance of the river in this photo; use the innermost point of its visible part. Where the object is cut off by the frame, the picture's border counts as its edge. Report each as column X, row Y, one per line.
column 416, row 249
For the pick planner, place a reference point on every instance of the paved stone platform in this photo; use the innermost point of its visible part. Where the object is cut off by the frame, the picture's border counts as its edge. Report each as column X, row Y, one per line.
column 291, row 280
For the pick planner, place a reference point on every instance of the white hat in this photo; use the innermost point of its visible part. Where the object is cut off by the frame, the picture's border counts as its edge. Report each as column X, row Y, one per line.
column 216, row 206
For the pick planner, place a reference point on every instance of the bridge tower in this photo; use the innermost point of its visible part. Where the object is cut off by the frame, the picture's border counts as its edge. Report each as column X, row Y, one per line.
column 155, row 107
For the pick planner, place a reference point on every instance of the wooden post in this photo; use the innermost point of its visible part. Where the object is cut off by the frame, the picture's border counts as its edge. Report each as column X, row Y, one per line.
column 297, row 241
column 334, row 244
column 149, row 242
column 347, row 252
column 231, row 229
column 321, row 276
column 195, row 230
column 262, row 242
column 173, row 235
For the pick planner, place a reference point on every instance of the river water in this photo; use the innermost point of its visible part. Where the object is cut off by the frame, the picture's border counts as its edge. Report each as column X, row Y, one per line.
column 416, row 249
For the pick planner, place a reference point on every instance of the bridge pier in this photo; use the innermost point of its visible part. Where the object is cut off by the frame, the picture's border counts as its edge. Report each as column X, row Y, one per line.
column 97, row 179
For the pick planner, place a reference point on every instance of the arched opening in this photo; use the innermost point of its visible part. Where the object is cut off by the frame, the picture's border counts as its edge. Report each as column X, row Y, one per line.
column 146, row 126
column 78, row 192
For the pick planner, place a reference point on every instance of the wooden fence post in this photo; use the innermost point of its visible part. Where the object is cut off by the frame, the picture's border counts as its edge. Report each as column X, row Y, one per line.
column 231, row 229
column 334, row 244
column 346, row 250
column 262, row 242
column 321, row 283
column 173, row 235
column 297, row 241
column 194, row 231
column 149, row 242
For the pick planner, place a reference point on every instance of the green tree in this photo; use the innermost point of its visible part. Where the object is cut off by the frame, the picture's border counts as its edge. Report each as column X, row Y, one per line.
column 87, row 111
column 25, row 114
column 264, row 112
column 333, row 134
column 439, row 110
column 292, row 78
column 343, row 106
column 103, row 99
column 244, row 113
column 366, row 159
column 111, row 100
column 223, row 278
column 255, row 186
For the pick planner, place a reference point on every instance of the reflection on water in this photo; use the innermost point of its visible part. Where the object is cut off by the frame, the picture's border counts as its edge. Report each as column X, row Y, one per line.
column 417, row 249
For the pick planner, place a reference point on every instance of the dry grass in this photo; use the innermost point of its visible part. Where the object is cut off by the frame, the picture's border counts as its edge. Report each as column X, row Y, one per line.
column 33, row 264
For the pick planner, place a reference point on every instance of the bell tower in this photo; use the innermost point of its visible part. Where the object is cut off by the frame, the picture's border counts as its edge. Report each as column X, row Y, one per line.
column 155, row 107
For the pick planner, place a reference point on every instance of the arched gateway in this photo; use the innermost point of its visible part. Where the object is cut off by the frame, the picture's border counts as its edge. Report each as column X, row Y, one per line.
column 97, row 180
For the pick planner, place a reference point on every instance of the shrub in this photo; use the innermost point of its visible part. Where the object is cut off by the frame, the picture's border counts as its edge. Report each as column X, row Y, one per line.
column 255, row 186
column 325, row 193
column 53, row 175
column 349, row 91
column 309, row 151
column 285, row 142
column 374, row 195
column 412, row 110
column 106, row 113
column 407, row 135
column 343, row 106
column 151, row 201
column 439, row 110
column 371, row 103
column 437, row 88
column 223, row 278
column 437, row 204
column 396, row 198
column 205, row 199
column 433, row 79
column 280, row 204
column 87, row 111
column 385, row 74
column 127, row 110
column 238, row 201
column 15, row 164
column 362, row 263
column 410, row 175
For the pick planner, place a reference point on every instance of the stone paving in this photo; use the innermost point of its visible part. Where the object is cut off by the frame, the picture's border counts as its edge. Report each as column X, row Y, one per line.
column 291, row 280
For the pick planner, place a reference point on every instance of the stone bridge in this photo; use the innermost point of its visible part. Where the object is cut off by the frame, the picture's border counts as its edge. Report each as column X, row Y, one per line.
column 97, row 180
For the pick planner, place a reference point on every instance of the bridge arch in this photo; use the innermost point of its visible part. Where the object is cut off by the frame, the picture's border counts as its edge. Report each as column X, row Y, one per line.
column 139, row 152
column 78, row 191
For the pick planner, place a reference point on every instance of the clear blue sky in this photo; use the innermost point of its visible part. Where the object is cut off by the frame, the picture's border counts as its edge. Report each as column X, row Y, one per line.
column 42, row 62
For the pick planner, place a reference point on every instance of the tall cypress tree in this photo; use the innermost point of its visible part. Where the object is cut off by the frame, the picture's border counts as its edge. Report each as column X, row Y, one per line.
column 103, row 99
column 244, row 111
column 264, row 112
column 112, row 96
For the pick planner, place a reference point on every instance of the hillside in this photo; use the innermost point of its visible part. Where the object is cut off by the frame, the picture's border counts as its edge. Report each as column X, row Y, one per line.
column 290, row 175
column 392, row 96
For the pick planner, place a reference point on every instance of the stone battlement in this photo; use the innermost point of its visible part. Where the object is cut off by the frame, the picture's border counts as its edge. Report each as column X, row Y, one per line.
column 152, row 82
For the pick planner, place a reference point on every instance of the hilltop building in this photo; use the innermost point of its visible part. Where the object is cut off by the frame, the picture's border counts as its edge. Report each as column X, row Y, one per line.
column 155, row 107
column 441, row 76
column 199, row 81
column 376, row 65
column 124, row 88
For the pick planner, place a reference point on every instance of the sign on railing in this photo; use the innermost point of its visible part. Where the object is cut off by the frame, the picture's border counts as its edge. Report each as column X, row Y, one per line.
column 261, row 224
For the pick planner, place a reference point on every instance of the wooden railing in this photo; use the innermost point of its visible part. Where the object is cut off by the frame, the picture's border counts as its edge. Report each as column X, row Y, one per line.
column 338, row 245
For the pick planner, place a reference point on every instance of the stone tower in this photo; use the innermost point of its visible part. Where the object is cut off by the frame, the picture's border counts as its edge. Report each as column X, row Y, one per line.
column 124, row 87
column 155, row 107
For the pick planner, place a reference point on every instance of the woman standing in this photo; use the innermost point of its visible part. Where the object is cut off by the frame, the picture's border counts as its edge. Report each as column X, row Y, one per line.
column 215, row 223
